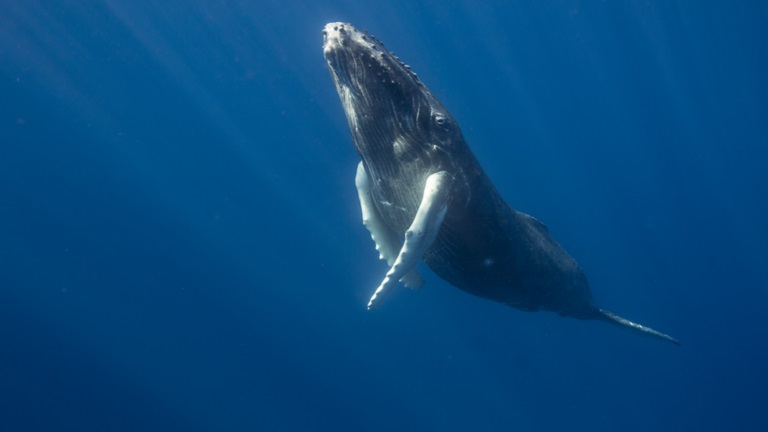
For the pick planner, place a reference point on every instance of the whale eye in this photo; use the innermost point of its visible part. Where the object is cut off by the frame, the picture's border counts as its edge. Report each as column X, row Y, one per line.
column 442, row 122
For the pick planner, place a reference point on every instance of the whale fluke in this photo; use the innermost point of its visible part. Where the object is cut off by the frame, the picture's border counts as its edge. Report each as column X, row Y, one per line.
column 612, row 318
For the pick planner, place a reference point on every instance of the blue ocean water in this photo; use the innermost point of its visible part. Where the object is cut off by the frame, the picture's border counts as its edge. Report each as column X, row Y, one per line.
column 181, row 246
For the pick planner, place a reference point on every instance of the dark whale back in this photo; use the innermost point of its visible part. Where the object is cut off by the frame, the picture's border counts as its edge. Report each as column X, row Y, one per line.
column 490, row 250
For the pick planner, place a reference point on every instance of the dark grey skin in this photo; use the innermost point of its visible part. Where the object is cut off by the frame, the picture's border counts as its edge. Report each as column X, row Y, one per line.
column 484, row 247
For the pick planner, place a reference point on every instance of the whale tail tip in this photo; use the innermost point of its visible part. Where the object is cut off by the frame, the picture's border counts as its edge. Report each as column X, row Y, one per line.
column 612, row 318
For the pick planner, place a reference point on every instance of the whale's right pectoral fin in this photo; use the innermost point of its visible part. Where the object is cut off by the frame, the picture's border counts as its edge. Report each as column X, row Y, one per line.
column 387, row 242
column 422, row 232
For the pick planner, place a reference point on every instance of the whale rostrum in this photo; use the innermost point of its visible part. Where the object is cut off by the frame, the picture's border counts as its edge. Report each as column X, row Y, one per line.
column 424, row 196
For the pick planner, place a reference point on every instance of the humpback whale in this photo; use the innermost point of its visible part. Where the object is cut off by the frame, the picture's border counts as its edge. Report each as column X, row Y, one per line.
column 424, row 196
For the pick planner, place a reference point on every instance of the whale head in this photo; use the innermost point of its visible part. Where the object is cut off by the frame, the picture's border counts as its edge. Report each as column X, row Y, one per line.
column 393, row 117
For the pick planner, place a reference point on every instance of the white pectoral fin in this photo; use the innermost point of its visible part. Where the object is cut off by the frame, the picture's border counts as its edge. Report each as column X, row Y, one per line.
column 387, row 242
column 421, row 233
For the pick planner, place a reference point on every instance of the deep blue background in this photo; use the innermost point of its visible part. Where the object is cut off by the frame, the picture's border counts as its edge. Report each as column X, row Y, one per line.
column 181, row 246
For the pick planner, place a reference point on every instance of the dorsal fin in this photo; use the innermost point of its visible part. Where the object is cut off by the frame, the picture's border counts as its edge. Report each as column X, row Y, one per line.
column 537, row 223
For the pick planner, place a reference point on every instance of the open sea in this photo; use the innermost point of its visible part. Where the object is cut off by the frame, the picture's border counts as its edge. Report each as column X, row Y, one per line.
column 181, row 246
